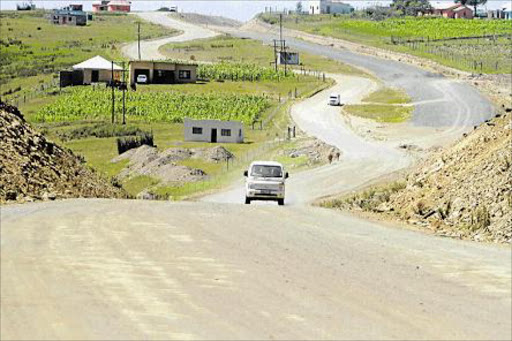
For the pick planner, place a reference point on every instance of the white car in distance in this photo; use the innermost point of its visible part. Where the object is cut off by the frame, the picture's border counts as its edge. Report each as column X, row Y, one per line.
column 142, row 79
column 335, row 99
column 265, row 181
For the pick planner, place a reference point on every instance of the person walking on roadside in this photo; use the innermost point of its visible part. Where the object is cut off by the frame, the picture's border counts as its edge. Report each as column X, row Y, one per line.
column 330, row 158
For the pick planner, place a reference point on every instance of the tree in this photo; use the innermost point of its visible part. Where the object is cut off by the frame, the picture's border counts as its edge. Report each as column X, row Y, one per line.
column 410, row 7
column 298, row 8
column 474, row 3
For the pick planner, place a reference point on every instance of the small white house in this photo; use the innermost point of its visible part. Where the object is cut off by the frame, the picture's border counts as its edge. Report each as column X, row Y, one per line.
column 329, row 7
column 289, row 58
column 213, row 131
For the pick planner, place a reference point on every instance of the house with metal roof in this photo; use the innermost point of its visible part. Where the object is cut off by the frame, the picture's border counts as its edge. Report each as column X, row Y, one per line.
column 111, row 6
column 98, row 69
column 71, row 15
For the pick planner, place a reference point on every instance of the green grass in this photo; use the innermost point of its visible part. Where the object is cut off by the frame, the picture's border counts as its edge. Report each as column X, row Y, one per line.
column 137, row 184
column 95, row 103
column 394, row 33
column 381, row 112
column 230, row 49
column 388, row 96
column 33, row 48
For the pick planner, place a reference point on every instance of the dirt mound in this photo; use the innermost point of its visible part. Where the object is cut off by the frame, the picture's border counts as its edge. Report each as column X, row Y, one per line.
column 33, row 168
column 146, row 160
column 214, row 154
column 464, row 191
column 315, row 150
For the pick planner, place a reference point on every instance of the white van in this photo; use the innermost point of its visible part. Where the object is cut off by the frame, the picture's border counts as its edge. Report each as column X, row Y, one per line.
column 334, row 99
column 265, row 181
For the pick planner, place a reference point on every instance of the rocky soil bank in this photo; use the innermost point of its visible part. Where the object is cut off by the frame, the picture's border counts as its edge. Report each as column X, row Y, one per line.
column 464, row 191
column 33, row 168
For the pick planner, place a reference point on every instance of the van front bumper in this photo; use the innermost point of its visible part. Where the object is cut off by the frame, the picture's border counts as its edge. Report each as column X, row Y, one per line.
column 264, row 194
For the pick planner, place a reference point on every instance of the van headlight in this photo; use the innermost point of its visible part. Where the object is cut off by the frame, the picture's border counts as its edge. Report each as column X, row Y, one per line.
column 281, row 187
column 252, row 186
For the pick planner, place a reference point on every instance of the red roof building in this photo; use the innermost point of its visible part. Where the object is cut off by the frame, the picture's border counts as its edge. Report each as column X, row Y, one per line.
column 112, row 6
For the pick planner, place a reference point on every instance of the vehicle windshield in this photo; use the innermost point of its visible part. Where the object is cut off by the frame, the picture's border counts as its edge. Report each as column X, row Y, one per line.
column 267, row 171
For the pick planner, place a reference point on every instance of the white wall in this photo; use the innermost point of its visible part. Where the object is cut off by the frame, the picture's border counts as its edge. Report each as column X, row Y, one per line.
column 207, row 125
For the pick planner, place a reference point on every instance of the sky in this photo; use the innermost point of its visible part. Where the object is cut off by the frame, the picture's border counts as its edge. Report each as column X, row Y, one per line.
column 242, row 10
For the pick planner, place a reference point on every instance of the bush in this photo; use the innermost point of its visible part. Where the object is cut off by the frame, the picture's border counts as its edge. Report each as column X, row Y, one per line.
column 129, row 142
column 99, row 130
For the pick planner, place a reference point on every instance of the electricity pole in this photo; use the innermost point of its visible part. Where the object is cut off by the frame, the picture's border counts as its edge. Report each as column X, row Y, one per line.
column 113, row 93
column 123, row 84
column 138, row 40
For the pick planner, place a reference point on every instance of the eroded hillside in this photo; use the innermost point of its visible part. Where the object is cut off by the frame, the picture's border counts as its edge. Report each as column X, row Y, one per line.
column 463, row 191
column 33, row 168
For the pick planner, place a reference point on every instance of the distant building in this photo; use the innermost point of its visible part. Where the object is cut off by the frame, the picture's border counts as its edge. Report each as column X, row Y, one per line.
column 111, row 6
column 507, row 11
column 453, row 10
column 163, row 72
column 213, row 131
column 26, row 6
column 98, row 69
column 288, row 58
column 329, row 7
column 69, row 16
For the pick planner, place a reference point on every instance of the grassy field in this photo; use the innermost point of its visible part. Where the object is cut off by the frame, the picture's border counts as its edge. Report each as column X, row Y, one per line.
column 383, row 105
column 424, row 37
column 229, row 49
column 79, row 131
column 33, row 49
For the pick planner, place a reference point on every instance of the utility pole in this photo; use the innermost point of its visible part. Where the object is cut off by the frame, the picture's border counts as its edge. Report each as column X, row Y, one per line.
column 113, row 93
column 275, row 54
column 138, row 40
column 281, row 27
column 282, row 53
column 123, row 84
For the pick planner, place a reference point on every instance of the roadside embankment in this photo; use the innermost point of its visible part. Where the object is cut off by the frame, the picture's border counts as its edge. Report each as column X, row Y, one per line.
column 464, row 191
column 33, row 168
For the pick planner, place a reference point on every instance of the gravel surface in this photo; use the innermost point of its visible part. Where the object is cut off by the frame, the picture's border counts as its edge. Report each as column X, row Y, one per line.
column 105, row 269
column 149, row 48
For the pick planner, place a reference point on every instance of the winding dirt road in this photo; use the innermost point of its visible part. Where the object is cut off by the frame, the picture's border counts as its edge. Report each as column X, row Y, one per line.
column 116, row 269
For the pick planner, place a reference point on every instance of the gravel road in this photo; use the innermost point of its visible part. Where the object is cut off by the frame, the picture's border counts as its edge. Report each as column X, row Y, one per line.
column 149, row 48
column 119, row 269
column 441, row 102
column 362, row 160
column 106, row 269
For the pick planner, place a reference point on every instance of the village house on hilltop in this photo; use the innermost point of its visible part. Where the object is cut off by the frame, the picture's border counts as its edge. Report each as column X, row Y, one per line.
column 112, row 6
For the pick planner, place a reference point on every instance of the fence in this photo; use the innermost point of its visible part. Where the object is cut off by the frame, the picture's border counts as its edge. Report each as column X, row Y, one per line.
column 483, row 54
column 22, row 96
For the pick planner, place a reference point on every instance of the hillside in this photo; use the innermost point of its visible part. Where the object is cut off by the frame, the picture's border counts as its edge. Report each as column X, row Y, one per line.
column 33, row 168
column 463, row 191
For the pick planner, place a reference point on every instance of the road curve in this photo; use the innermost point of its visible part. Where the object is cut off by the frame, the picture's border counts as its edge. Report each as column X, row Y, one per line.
column 362, row 160
column 442, row 102
column 114, row 269
column 149, row 48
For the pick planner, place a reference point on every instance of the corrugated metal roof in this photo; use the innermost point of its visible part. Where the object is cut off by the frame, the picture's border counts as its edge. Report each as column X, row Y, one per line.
column 97, row 63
